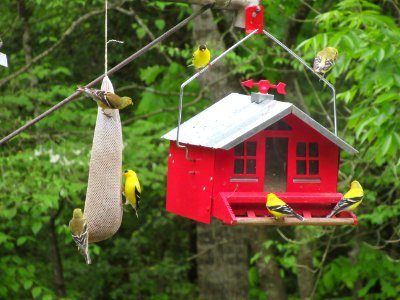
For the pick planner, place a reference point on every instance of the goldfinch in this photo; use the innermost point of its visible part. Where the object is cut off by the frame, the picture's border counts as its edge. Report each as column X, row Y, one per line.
column 325, row 60
column 350, row 200
column 80, row 233
column 201, row 57
column 280, row 209
column 132, row 189
column 106, row 99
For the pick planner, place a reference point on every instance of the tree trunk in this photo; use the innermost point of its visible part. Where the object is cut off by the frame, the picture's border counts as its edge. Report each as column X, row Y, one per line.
column 305, row 277
column 269, row 272
column 294, row 25
column 222, row 263
column 58, row 277
column 24, row 14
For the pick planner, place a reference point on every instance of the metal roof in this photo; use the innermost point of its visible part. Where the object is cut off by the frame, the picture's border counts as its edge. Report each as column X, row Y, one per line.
column 236, row 118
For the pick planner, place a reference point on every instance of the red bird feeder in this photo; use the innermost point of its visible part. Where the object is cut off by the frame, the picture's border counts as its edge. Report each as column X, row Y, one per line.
column 244, row 147
column 224, row 161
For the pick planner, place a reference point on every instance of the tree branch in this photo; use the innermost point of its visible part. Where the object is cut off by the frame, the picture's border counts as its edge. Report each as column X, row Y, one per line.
column 221, row 4
column 46, row 52
column 143, row 25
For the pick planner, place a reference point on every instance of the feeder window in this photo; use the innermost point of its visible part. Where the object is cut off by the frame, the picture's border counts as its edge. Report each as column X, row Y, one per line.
column 245, row 158
column 307, row 162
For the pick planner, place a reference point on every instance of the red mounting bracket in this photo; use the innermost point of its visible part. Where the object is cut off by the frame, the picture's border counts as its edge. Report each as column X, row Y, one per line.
column 265, row 85
column 255, row 19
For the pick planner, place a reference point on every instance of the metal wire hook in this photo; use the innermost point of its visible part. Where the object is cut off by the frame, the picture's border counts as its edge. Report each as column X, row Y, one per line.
column 311, row 69
column 197, row 75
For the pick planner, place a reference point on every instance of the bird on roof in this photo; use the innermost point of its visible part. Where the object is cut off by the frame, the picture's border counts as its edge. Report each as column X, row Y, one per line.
column 201, row 57
column 106, row 100
column 350, row 200
column 279, row 209
column 325, row 60
column 80, row 233
column 132, row 189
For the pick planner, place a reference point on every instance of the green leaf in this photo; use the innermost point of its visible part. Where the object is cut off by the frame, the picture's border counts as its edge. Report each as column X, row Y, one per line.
column 28, row 284
column 149, row 74
column 160, row 24
column 36, row 226
column 140, row 32
column 21, row 240
column 386, row 144
column 36, row 292
column 255, row 257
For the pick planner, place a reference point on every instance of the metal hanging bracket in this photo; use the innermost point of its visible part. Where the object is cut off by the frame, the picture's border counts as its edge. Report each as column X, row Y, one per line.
column 254, row 25
column 254, row 19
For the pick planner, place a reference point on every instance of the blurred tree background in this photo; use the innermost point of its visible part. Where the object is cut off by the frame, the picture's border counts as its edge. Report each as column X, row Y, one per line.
column 55, row 45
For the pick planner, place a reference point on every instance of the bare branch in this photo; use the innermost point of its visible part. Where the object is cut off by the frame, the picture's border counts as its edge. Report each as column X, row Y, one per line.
column 143, row 25
column 322, row 264
column 221, row 4
column 110, row 72
column 68, row 32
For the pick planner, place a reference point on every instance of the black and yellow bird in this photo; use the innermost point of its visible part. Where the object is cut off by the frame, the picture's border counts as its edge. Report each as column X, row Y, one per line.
column 350, row 200
column 324, row 60
column 106, row 100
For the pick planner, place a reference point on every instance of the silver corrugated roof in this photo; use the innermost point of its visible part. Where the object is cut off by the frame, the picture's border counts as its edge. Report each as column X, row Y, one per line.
column 235, row 118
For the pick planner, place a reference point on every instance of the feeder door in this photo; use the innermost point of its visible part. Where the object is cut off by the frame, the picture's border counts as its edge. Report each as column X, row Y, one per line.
column 276, row 160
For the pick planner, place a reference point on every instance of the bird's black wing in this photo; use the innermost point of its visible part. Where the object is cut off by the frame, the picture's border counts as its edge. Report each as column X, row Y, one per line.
column 283, row 209
column 137, row 194
column 81, row 240
column 317, row 61
column 346, row 202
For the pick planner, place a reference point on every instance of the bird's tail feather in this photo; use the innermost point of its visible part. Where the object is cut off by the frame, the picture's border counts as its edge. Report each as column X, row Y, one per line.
column 87, row 258
column 297, row 216
column 332, row 213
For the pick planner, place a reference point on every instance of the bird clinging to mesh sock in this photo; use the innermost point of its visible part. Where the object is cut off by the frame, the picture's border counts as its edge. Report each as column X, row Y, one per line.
column 106, row 99
column 279, row 209
column 325, row 60
column 132, row 189
column 80, row 233
column 350, row 200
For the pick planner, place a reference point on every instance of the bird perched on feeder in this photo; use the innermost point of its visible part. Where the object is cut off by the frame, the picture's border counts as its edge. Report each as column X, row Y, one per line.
column 132, row 189
column 80, row 233
column 279, row 209
column 201, row 57
column 350, row 200
column 107, row 99
column 325, row 60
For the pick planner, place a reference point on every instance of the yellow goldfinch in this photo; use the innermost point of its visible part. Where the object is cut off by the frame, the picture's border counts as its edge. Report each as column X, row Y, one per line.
column 201, row 57
column 280, row 209
column 350, row 200
column 80, row 233
column 107, row 99
column 325, row 60
column 132, row 189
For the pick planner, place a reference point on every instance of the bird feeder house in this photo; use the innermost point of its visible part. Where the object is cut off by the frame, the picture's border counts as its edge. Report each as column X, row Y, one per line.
column 224, row 161
column 244, row 147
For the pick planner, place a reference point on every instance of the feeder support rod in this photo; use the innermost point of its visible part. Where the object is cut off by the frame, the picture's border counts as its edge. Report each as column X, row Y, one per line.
column 197, row 75
column 311, row 69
